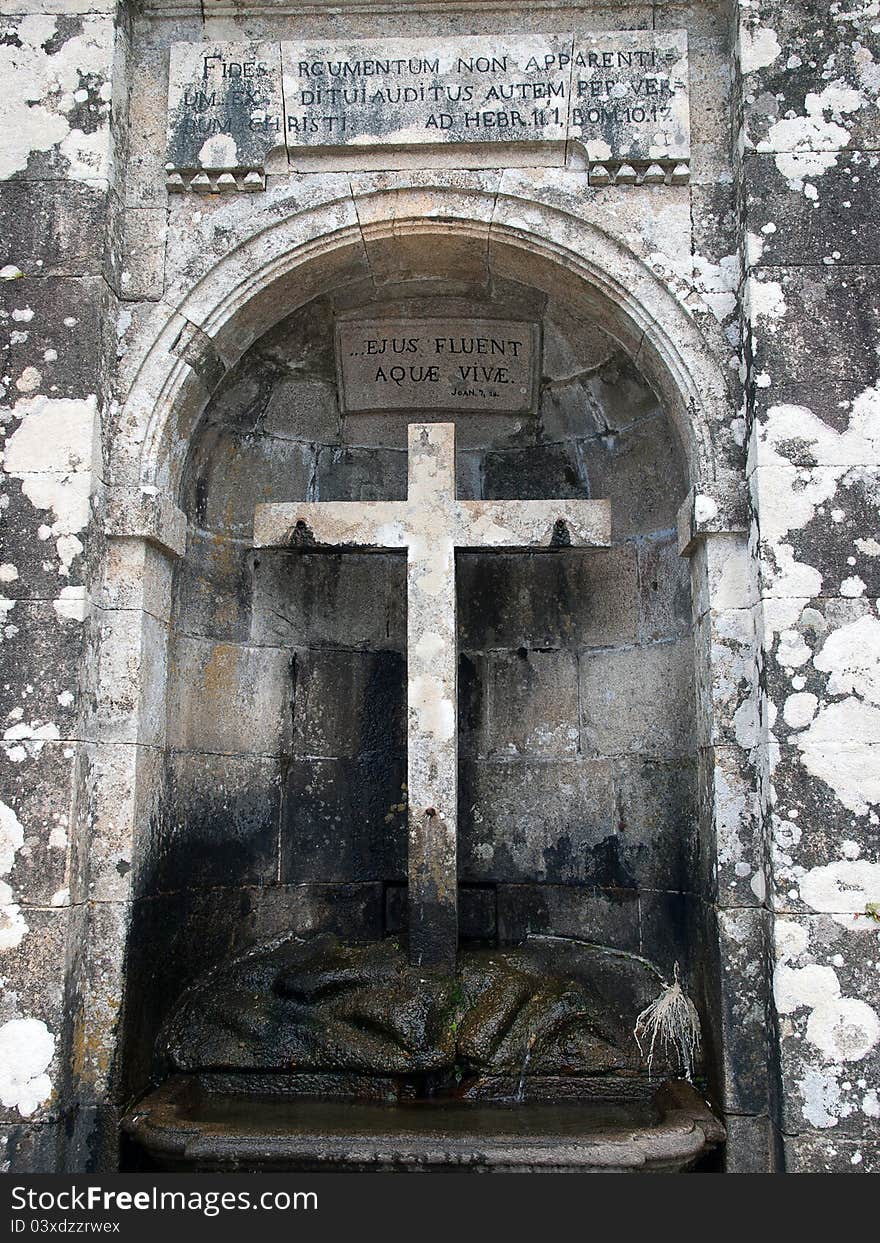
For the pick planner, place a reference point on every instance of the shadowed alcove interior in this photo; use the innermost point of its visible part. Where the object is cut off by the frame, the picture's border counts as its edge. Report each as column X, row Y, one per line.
column 282, row 805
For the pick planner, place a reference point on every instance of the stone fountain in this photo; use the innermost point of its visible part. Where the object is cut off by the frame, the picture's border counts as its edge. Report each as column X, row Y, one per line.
column 310, row 1054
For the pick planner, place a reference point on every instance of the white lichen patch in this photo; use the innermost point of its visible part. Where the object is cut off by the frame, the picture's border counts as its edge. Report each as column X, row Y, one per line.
column 701, row 284
column 764, row 302
column 13, row 926
column 758, row 48
column 38, row 95
column 26, row 1049
column 842, row 889
column 840, row 748
column 54, row 452
column 851, row 658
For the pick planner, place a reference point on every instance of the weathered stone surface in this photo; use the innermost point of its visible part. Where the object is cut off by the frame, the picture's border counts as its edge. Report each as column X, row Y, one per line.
column 574, row 599
column 220, row 817
column 528, row 821
column 790, row 226
column 533, row 705
column 257, row 680
column 344, row 819
column 58, row 227
column 224, row 108
column 604, row 916
column 626, row 702
column 349, row 703
column 438, row 364
column 330, row 599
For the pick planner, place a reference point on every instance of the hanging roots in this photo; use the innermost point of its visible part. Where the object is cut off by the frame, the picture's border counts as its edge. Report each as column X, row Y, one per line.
column 672, row 1020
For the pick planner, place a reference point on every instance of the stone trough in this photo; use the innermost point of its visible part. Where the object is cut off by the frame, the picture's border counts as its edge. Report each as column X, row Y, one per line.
column 187, row 1126
column 310, row 1054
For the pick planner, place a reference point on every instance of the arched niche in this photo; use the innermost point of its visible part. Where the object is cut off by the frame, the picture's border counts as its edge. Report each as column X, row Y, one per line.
column 198, row 895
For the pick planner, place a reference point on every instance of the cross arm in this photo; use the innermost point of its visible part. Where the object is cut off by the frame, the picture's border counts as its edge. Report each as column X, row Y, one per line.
column 534, row 524
column 375, row 525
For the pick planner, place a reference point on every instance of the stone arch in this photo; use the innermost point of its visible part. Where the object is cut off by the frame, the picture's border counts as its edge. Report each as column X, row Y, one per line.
column 294, row 255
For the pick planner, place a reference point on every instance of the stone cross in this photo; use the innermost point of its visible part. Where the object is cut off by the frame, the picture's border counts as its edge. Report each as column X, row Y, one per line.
column 431, row 525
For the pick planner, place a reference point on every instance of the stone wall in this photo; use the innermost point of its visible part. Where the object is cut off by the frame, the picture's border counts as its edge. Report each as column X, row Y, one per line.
column 56, row 69
column 808, row 91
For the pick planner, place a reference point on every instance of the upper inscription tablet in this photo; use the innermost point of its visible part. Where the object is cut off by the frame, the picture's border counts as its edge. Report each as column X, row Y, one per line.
column 616, row 101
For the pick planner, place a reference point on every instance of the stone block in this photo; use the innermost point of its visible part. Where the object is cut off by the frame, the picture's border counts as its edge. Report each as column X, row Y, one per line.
column 349, row 703
column 553, row 471
column 723, row 574
column 213, row 588
column 831, row 1154
column 39, row 563
column 752, row 1145
column 137, row 258
column 130, row 700
column 40, row 663
column 302, row 409
column 360, row 475
column 664, row 590
column 667, row 935
column 120, row 796
column 531, row 821
column 533, row 704
column 52, row 336
column 828, row 1003
column 603, row 916
column 796, row 312
column 31, row 1147
column 726, row 681
column 225, row 108
column 787, row 108
column 655, row 836
column 640, row 471
column 794, row 227
column 827, row 536
column 37, row 785
column 745, row 947
column 229, row 698
column 230, row 474
column 352, row 600
column 477, row 912
column 354, row 912
column 219, row 822
column 732, row 846
column 570, row 599
column 57, row 227
column 37, row 965
column 138, row 575
column 344, row 820
column 638, row 701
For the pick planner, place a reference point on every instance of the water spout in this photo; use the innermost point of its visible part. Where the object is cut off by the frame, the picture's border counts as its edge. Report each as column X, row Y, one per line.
column 521, row 1086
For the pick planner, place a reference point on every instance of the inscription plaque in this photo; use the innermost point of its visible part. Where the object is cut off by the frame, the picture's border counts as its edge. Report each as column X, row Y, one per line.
column 405, row 92
column 225, row 115
column 438, row 364
column 616, row 101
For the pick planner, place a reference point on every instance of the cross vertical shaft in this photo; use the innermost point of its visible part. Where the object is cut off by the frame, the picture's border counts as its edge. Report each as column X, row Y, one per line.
column 432, row 698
